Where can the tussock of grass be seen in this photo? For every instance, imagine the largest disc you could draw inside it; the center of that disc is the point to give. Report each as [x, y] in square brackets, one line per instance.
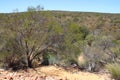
[114, 69]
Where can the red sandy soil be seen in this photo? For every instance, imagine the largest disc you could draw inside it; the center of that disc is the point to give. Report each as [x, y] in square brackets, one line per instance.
[51, 73]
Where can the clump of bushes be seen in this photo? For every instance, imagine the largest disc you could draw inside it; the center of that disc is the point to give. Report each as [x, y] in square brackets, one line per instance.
[114, 70]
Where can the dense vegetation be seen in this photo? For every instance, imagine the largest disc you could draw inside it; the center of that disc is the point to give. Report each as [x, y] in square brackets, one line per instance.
[35, 38]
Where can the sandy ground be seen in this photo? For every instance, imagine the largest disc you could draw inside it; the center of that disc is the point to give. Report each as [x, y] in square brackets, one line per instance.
[51, 73]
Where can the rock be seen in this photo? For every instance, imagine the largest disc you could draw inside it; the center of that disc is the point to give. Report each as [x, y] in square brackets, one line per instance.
[49, 78]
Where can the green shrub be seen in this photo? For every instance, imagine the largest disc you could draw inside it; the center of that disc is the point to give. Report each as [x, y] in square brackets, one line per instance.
[114, 70]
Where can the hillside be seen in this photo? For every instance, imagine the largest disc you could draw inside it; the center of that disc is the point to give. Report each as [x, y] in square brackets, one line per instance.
[106, 22]
[84, 40]
[88, 19]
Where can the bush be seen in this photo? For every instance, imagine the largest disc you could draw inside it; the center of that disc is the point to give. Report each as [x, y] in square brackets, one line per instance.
[14, 62]
[114, 69]
[95, 59]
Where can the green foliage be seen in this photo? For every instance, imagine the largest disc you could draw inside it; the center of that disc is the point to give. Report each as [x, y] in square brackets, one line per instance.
[56, 28]
[94, 57]
[116, 51]
[67, 34]
[97, 51]
[90, 39]
[26, 36]
[32, 8]
[114, 69]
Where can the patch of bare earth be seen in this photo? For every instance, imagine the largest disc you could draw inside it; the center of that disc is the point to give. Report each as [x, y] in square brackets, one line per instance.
[51, 73]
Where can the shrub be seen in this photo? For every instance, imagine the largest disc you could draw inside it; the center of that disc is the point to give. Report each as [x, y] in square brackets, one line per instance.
[95, 58]
[11, 62]
[114, 69]
[14, 62]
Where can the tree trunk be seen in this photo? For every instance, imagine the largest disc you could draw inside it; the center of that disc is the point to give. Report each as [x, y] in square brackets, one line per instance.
[29, 63]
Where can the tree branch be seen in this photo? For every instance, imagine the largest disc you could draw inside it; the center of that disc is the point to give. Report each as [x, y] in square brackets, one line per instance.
[39, 52]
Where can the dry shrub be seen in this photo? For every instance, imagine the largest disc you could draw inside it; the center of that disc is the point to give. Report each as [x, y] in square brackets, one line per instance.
[14, 62]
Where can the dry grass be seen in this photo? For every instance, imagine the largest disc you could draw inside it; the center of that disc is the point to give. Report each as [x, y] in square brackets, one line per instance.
[74, 75]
